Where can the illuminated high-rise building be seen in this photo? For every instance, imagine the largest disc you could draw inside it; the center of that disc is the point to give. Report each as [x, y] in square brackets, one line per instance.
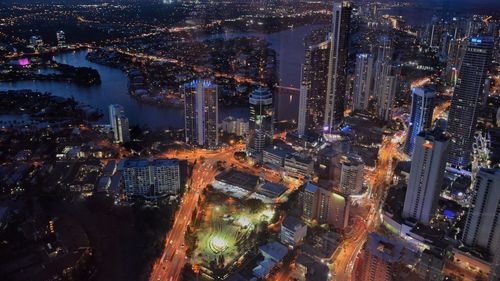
[380, 257]
[337, 68]
[201, 113]
[119, 123]
[426, 176]
[309, 201]
[325, 206]
[422, 107]
[482, 227]
[385, 87]
[383, 49]
[467, 99]
[61, 39]
[363, 81]
[146, 178]
[351, 175]
[36, 42]
[456, 50]
[313, 87]
[260, 127]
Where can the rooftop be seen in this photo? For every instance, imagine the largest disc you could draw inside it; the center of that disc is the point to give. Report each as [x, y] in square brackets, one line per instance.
[384, 248]
[141, 163]
[237, 178]
[275, 250]
[299, 158]
[293, 223]
[136, 163]
[311, 187]
[272, 190]
[165, 162]
[316, 271]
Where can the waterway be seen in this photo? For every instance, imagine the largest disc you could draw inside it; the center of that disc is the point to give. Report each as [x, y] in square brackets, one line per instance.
[289, 44]
[113, 89]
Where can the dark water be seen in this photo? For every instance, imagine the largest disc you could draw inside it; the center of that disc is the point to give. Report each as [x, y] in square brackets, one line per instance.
[288, 44]
[112, 90]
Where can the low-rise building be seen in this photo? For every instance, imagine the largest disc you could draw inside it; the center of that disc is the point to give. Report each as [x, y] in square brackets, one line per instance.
[236, 126]
[269, 192]
[299, 166]
[273, 156]
[273, 255]
[293, 231]
[235, 183]
[309, 269]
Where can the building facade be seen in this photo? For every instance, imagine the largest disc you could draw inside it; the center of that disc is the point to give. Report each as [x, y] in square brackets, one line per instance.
[61, 39]
[467, 98]
[325, 206]
[298, 166]
[363, 81]
[351, 174]
[482, 227]
[380, 256]
[309, 201]
[201, 113]
[119, 123]
[313, 87]
[422, 108]
[426, 176]
[337, 67]
[385, 88]
[151, 179]
[236, 126]
[260, 129]
[293, 231]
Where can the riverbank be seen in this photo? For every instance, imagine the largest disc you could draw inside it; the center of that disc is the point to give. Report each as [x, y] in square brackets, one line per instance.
[34, 107]
[112, 90]
[28, 69]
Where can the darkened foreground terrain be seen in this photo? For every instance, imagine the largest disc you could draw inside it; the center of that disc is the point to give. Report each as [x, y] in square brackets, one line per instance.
[107, 242]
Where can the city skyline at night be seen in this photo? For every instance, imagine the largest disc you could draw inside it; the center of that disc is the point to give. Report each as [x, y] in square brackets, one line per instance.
[283, 140]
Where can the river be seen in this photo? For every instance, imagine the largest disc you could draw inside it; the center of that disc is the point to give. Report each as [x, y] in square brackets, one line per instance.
[289, 44]
[113, 88]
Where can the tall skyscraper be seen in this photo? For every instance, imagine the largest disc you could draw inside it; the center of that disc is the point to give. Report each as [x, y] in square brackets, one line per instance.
[146, 178]
[260, 129]
[337, 68]
[201, 112]
[383, 50]
[119, 123]
[363, 81]
[482, 227]
[422, 107]
[386, 85]
[351, 175]
[380, 256]
[426, 176]
[61, 39]
[456, 50]
[467, 97]
[313, 87]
